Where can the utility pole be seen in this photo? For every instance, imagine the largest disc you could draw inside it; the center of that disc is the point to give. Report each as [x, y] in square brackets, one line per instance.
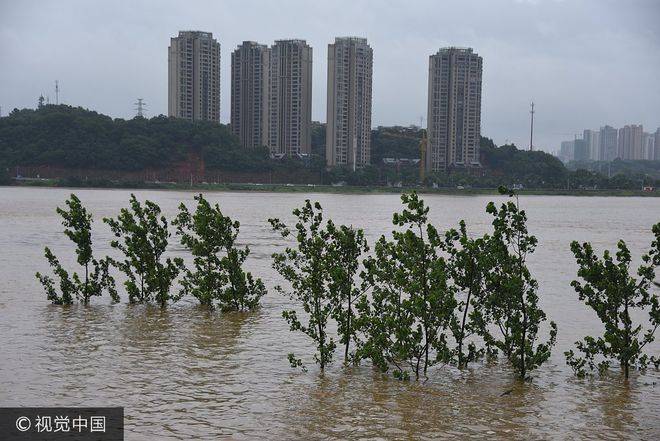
[57, 92]
[140, 106]
[531, 128]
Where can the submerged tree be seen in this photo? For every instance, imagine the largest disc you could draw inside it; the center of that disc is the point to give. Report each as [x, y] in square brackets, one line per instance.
[468, 263]
[345, 247]
[144, 237]
[512, 292]
[218, 276]
[609, 288]
[305, 268]
[412, 301]
[320, 270]
[96, 278]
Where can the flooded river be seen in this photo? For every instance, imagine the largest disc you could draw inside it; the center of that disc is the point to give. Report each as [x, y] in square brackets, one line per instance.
[186, 373]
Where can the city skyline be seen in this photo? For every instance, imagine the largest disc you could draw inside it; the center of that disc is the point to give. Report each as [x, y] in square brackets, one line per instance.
[564, 68]
[629, 142]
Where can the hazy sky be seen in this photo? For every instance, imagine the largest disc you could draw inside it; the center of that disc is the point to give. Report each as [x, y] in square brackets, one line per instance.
[585, 63]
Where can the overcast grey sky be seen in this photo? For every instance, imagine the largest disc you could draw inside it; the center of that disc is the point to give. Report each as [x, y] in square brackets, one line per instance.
[585, 63]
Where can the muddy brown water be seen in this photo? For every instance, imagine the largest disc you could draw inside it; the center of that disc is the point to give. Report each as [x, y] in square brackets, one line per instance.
[186, 373]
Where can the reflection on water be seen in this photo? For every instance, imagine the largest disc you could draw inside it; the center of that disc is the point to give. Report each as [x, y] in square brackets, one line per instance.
[188, 372]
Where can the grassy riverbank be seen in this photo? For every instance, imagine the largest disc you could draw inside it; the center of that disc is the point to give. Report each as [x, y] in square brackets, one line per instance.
[310, 188]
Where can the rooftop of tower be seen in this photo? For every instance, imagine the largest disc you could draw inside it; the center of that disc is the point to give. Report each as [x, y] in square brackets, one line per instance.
[456, 48]
[351, 38]
[292, 40]
[196, 33]
[252, 43]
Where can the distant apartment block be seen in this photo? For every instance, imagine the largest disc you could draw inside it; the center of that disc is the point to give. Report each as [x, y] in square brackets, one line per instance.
[290, 98]
[592, 139]
[656, 155]
[567, 151]
[454, 109]
[348, 128]
[608, 141]
[194, 77]
[250, 64]
[630, 142]
[580, 150]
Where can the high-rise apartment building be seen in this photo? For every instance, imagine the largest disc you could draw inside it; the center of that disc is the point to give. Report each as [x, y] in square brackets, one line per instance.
[648, 146]
[592, 139]
[580, 150]
[348, 128]
[630, 142]
[249, 93]
[608, 143]
[290, 98]
[454, 109]
[567, 151]
[656, 155]
[194, 76]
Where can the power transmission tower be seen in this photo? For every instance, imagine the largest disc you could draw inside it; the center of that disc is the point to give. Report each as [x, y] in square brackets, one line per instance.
[140, 106]
[531, 128]
[57, 92]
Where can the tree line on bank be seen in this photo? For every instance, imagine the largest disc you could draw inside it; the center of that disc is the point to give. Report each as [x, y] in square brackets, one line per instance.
[503, 165]
[70, 137]
[422, 297]
[74, 137]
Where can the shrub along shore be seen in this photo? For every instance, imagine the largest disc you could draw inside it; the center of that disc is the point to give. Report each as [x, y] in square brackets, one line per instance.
[313, 188]
[405, 303]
